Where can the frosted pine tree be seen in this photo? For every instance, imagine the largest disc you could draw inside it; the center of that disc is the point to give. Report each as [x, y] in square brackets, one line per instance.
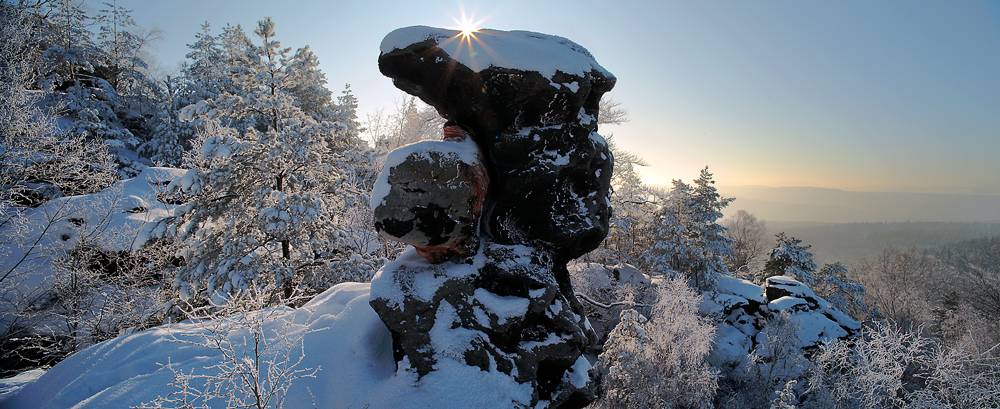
[169, 137]
[789, 257]
[204, 78]
[206, 74]
[687, 238]
[263, 206]
[834, 285]
[706, 210]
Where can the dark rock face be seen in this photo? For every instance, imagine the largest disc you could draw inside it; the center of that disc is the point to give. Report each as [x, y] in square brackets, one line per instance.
[530, 103]
[550, 171]
[435, 197]
[501, 312]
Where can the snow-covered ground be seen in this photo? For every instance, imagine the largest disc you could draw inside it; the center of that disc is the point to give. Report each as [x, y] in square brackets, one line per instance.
[348, 344]
[9, 386]
[110, 218]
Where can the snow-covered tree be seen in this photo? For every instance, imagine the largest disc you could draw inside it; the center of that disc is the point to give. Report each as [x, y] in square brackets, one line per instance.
[37, 161]
[170, 139]
[206, 73]
[308, 83]
[99, 87]
[687, 238]
[410, 121]
[634, 204]
[834, 285]
[902, 285]
[789, 257]
[123, 43]
[264, 203]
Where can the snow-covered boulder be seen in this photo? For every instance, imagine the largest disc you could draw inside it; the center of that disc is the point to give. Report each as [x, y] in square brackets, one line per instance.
[817, 320]
[744, 308]
[627, 274]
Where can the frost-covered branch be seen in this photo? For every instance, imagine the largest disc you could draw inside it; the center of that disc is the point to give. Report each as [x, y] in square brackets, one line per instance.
[608, 306]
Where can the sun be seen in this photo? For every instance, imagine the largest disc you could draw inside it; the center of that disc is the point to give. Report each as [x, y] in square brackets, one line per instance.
[467, 23]
[467, 26]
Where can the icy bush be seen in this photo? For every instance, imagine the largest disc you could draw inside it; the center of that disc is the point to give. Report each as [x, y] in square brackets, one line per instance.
[660, 362]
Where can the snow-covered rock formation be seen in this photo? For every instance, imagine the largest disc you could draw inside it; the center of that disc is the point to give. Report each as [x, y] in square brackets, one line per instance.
[745, 308]
[529, 102]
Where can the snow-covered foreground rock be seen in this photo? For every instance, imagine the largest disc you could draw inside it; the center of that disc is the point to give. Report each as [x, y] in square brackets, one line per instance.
[352, 349]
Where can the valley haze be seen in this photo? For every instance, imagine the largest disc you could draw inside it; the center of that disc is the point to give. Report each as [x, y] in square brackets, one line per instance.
[812, 204]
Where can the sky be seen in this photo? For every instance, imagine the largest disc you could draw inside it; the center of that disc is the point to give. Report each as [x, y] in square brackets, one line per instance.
[893, 95]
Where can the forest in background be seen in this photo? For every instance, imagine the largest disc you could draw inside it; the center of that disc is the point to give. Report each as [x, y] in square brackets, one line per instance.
[259, 178]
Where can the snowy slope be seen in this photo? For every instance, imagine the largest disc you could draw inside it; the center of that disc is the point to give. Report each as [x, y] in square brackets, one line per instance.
[111, 217]
[352, 349]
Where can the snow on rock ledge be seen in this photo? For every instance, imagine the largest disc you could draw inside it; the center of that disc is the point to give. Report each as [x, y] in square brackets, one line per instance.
[522, 50]
[818, 321]
[501, 312]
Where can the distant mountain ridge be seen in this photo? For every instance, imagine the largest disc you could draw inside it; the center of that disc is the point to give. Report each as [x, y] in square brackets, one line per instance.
[849, 242]
[800, 204]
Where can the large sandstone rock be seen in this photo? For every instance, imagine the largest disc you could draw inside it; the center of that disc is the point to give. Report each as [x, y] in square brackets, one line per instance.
[529, 101]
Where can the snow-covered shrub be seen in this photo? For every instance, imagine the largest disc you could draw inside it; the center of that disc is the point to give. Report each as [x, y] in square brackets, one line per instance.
[892, 367]
[96, 294]
[775, 362]
[261, 355]
[660, 362]
[591, 279]
[602, 290]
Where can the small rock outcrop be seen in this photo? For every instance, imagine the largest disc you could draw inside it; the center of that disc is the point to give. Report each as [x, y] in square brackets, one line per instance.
[745, 308]
[817, 320]
[491, 289]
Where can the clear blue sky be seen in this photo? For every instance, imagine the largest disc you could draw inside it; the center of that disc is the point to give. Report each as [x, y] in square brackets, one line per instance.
[886, 95]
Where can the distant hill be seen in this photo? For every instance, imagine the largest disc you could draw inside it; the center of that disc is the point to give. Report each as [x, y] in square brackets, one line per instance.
[801, 204]
[849, 242]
